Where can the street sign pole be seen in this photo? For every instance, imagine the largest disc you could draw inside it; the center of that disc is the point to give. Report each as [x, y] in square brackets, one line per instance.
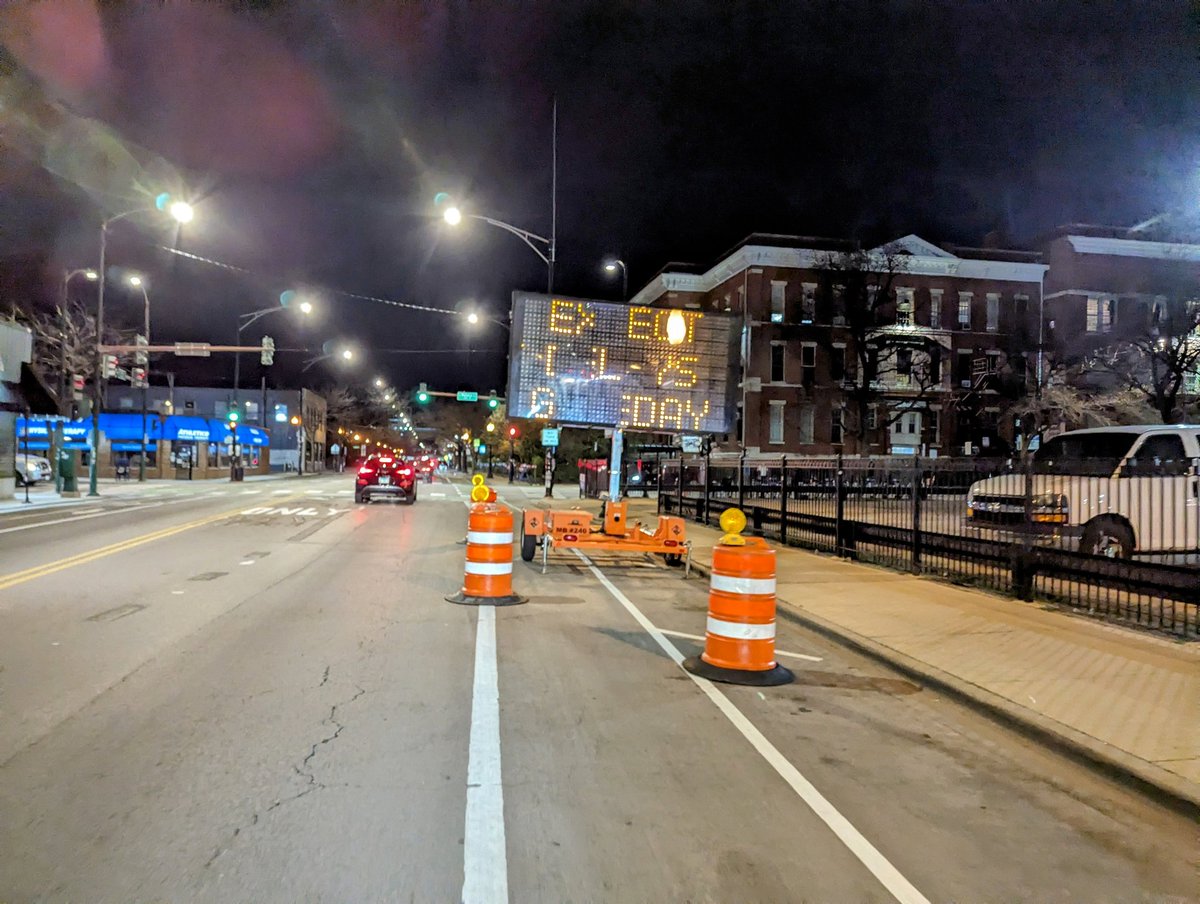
[614, 464]
[550, 444]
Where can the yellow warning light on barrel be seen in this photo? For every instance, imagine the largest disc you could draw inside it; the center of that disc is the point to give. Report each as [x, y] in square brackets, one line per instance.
[480, 493]
[477, 480]
[733, 522]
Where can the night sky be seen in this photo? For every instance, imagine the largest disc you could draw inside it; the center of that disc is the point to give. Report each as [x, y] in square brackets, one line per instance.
[314, 136]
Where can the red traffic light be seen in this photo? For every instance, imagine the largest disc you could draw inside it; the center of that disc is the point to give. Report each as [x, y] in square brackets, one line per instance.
[512, 431]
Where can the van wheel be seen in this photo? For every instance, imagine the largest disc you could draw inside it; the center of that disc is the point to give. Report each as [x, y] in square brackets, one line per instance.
[674, 559]
[1107, 537]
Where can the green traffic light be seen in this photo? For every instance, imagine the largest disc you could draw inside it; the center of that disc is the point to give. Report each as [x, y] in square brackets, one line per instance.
[493, 403]
[422, 397]
[233, 417]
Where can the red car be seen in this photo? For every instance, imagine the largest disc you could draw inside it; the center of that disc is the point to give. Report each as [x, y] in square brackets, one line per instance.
[385, 475]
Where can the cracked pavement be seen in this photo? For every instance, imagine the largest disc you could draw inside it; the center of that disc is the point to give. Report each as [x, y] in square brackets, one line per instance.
[296, 729]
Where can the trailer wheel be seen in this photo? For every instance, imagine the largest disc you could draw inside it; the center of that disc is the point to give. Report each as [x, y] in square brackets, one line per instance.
[529, 544]
[673, 559]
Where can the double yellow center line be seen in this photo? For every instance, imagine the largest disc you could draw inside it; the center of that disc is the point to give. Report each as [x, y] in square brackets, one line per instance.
[41, 571]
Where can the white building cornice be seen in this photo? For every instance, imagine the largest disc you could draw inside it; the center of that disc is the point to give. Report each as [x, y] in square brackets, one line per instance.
[925, 264]
[1164, 251]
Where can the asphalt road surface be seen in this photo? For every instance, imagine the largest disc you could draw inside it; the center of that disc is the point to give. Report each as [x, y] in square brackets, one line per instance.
[262, 696]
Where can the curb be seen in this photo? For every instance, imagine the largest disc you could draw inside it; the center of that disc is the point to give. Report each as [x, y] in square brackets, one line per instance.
[1153, 782]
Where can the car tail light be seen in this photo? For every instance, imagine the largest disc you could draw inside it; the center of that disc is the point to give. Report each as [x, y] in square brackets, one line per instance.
[570, 538]
[670, 542]
[364, 471]
[387, 461]
[404, 472]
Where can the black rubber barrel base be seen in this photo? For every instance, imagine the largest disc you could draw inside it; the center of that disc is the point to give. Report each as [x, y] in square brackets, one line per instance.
[464, 600]
[769, 678]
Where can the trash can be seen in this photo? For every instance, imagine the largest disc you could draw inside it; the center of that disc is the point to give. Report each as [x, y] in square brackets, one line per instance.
[66, 469]
[238, 473]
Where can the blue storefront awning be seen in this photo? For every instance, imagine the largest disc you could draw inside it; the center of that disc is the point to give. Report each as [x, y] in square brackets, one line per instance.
[120, 429]
[180, 428]
[218, 431]
[253, 436]
[129, 426]
[35, 430]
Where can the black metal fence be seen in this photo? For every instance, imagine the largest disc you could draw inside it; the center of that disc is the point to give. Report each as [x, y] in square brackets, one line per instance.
[1126, 547]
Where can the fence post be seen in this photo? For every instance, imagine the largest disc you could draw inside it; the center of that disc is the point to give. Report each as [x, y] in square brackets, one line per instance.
[783, 496]
[742, 481]
[916, 516]
[679, 487]
[1022, 567]
[658, 483]
[707, 485]
[839, 517]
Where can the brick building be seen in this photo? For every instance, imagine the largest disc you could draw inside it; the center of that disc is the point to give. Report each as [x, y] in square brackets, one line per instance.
[950, 317]
[1107, 285]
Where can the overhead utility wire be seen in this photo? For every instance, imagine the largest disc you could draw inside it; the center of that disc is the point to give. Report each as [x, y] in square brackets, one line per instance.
[235, 269]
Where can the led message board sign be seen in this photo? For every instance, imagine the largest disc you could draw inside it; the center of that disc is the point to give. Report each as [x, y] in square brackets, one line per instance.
[576, 361]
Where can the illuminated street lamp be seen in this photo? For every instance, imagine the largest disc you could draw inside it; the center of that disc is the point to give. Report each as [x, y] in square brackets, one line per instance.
[286, 302]
[345, 354]
[181, 212]
[612, 266]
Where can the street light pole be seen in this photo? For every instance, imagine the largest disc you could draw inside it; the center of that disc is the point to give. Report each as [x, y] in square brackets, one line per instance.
[97, 391]
[182, 212]
[145, 376]
[453, 215]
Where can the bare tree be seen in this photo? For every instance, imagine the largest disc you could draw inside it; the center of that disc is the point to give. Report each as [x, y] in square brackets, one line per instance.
[341, 406]
[1158, 355]
[888, 356]
[64, 342]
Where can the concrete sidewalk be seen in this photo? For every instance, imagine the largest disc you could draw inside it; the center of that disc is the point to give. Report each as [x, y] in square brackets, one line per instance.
[1121, 699]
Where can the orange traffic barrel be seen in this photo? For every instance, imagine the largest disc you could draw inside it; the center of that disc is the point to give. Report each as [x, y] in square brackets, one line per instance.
[739, 643]
[487, 579]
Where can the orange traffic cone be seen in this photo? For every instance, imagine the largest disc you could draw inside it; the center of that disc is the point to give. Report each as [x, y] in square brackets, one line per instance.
[739, 644]
[488, 571]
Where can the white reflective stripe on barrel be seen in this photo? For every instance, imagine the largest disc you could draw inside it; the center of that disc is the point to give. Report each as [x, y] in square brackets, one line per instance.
[490, 537]
[740, 631]
[756, 586]
[488, 567]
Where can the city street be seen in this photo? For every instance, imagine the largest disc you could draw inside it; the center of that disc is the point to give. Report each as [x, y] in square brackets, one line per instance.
[258, 693]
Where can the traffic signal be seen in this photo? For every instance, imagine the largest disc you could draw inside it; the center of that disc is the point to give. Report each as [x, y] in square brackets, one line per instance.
[491, 428]
[139, 377]
[108, 365]
[512, 432]
[233, 417]
[141, 356]
[493, 402]
[268, 350]
[422, 393]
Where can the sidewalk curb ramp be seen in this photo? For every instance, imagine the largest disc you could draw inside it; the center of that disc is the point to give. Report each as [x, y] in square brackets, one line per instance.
[1153, 782]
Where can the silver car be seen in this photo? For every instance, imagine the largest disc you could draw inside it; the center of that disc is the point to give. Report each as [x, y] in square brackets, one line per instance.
[32, 469]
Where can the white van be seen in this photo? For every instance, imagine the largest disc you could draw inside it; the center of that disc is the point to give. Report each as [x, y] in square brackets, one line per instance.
[1116, 491]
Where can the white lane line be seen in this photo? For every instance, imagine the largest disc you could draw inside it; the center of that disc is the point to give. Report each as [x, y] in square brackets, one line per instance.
[881, 868]
[485, 858]
[74, 518]
[777, 652]
[280, 492]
